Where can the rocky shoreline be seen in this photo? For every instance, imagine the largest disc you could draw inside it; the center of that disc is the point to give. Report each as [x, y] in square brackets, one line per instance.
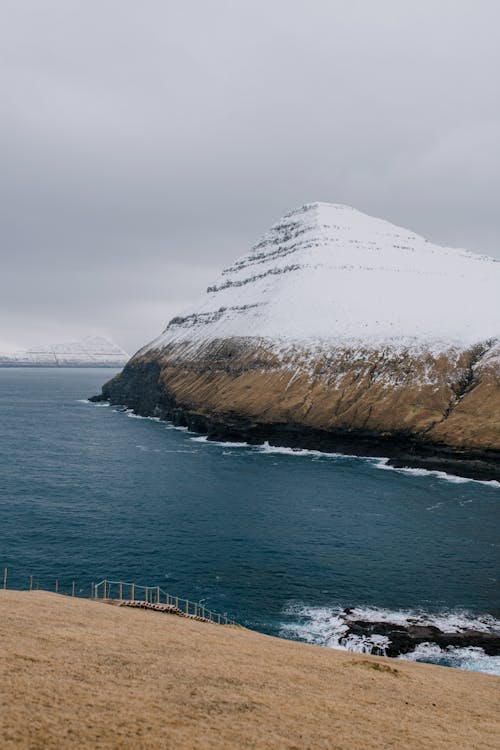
[140, 387]
[405, 638]
[338, 332]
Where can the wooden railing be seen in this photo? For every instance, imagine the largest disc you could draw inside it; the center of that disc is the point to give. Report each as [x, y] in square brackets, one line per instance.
[154, 597]
[134, 595]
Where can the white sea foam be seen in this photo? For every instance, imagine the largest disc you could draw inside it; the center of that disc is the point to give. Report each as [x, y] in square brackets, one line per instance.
[172, 426]
[328, 626]
[224, 444]
[383, 463]
[457, 621]
[131, 413]
[473, 659]
[299, 452]
[92, 403]
[266, 448]
[378, 463]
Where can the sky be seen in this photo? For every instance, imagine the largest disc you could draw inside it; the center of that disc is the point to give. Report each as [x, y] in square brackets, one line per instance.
[146, 145]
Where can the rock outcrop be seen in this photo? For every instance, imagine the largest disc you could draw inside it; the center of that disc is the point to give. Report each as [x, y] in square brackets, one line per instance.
[340, 332]
[391, 639]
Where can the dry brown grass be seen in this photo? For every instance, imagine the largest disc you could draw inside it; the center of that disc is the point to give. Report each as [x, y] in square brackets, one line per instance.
[248, 380]
[81, 674]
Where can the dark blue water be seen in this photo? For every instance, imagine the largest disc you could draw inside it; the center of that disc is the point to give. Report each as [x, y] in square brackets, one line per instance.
[273, 538]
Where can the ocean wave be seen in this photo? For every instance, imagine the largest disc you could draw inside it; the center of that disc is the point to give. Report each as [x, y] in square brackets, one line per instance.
[378, 463]
[92, 403]
[383, 463]
[329, 626]
[471, 658]
[131, 413]
[299, 452]
[324, 626]
[180, 428]
[224, 444]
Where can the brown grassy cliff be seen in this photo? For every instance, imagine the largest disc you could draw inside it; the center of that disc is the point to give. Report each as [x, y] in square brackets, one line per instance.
[80, 674]
[432, 408]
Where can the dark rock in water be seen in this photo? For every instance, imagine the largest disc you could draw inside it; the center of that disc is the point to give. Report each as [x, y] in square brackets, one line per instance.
[404, 639]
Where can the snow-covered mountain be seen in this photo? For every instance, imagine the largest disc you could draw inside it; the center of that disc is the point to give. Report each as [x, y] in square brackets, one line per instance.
[341, 332]
[92, 351]
[330, 273]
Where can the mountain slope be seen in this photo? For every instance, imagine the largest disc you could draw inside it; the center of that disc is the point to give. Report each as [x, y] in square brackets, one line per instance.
[331, 272]
[338, 331]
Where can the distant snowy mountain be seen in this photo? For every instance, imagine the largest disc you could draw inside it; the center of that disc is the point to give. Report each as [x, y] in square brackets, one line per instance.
[92, 351]
[337, 331]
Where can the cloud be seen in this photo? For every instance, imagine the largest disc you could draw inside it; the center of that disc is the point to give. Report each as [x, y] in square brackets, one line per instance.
[144, 147]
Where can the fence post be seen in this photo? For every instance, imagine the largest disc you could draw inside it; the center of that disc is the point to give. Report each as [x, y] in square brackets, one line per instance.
[92, 590]
[177, 602]
[187, 607]
[146, 594]
[132, 591]
[218, 619]
[225, 619]
[31, 583]
[57, 585]
[203, 611]
[5, 578]
[195, 605]
[157, 594]
[73, 589]
[104, 592]
[120, 591]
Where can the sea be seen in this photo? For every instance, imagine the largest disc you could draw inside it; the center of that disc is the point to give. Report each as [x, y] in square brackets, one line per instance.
[282, 541]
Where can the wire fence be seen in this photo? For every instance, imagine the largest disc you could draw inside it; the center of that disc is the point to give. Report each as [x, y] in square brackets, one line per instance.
[129, 594]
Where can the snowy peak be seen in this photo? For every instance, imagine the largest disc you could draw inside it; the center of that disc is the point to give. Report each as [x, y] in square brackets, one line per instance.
[91, 351]
[327, 272]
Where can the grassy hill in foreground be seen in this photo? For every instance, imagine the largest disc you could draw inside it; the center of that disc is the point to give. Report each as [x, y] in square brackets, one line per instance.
[79, 674]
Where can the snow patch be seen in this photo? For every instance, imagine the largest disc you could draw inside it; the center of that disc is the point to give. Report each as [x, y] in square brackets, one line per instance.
[326, 274]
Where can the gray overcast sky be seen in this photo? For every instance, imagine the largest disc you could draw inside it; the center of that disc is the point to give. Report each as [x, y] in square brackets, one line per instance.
[146, 144]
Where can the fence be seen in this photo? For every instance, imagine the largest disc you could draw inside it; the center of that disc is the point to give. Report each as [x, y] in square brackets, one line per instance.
[153, 597]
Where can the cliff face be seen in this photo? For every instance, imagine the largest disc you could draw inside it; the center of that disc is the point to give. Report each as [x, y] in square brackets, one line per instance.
[339, 332]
